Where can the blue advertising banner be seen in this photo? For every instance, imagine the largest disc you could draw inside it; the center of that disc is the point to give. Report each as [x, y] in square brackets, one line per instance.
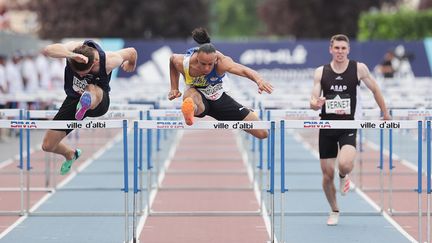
[284, 60]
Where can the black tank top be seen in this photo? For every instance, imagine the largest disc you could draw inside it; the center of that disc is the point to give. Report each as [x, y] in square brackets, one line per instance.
[340, 91]
[74, 83]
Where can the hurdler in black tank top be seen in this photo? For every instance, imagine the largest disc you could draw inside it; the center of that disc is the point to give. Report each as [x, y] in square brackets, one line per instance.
[74, 84]
[342, 84]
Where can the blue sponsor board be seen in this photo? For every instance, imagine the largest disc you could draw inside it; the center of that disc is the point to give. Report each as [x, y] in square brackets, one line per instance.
[287, 59]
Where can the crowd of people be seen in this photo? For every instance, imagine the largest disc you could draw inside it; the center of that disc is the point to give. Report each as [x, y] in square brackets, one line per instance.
[26, 75]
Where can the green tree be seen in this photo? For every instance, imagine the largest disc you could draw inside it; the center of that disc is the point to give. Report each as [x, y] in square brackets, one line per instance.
[406, 25]
[235, 18]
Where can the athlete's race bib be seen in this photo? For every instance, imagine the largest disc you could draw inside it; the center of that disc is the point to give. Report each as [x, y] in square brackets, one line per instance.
[79, 85]
[212, 92]
[338, 106]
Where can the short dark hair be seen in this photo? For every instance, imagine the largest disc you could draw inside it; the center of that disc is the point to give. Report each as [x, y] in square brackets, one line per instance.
[339, 37]
[207, 48]
[86, 51]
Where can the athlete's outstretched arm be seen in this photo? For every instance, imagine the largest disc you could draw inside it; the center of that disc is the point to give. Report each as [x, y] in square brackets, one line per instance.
[226, 64]
[370, 82]
[316, 102]
[175, 61]
[64, 50]
[126, 58]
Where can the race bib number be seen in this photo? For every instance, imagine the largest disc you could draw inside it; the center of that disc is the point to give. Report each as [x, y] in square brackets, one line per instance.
[338, 106]
[212, 92]
[79, 85]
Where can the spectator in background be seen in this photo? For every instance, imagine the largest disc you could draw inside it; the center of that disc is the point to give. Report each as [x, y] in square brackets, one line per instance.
[3, 91]
[44, 77]
[56, 73]
[4, 18]
[42, 66]
[3, 81]
[31, 79]
[14, 79]
[386, 67]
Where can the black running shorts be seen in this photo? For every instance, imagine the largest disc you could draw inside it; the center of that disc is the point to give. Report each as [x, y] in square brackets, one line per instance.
[68, 109]
[224, 109]
[330, 140]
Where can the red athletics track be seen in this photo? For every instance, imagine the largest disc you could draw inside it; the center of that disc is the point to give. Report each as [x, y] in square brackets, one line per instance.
[90, 141]
[206, 174]
[403, 178]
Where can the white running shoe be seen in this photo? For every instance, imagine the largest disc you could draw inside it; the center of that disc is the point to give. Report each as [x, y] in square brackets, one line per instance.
[344, 185]
[333, 219]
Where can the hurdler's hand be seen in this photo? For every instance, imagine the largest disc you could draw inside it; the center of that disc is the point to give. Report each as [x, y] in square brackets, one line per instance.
[317, 103]
[174, 93]
[264, 86]
[78, 57]
[386, 116]
[128, 66]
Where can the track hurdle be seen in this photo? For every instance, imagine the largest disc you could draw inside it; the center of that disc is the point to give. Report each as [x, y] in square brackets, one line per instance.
[359, 124]
[151, 124]
[131, 114]
[87, 124]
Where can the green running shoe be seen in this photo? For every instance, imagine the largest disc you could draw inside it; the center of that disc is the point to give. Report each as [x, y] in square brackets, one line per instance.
[66, 166]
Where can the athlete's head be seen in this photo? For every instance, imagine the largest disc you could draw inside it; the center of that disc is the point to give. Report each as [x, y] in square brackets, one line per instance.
[339, 47]
[206, 53]
[83, 68]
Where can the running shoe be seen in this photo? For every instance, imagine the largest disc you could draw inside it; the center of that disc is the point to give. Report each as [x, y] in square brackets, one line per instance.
[344, 185]
[333, 219]
[66, 166]
[188, 110]
[83, 105]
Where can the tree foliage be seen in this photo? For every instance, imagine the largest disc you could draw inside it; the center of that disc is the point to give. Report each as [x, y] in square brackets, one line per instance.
[235, 18]
[406, 25]
[125, 18]
[313, 18]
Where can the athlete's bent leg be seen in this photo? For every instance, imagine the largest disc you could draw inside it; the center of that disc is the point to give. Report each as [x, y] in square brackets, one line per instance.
[52, 143]
[192, 105]
[346, 158]
[258, 133]
[96, 93]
